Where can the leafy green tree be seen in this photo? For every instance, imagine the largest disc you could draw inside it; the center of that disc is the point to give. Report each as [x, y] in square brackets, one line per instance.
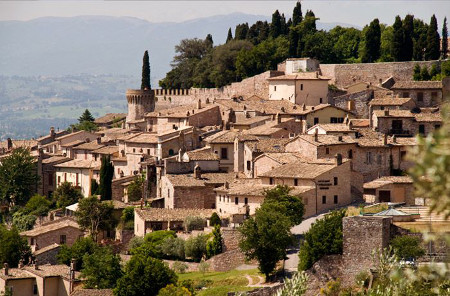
[397, 45]
[106, 176]
[407, 247]
[38, 205]
[275, 25]
[84, 126]
[144, 276]
[408, 31]
[18, 177]
[152, 243]
[265, 237]
[444, 39]
[94, 187]
[215, 220]
[23, 221]
[95, 216]
[311, 27]
[13, 247]
[432, 51]
[292, 206]
[83, 246]
[241, 31]
[431, 174]
[66, 195]
[101, 269]
[297, 16]
[433, 71]
[445, 69]
[195, 247]
[127, 218]
[229, 36]
[416, 71]
[419, 39]
[372, 43]
[145, 84]
[387, 37]
[194, 223]
[345, 43]
[319, 45]
[173, 248]
[214, 246]
[323, 238]
[136, 188]
[86, 116]
[293, 42]
[424, 74]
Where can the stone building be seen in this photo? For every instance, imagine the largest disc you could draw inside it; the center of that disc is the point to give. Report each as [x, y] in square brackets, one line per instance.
[270, 160]
[336, 129]
[79, 173]
[110, 120]
[140, 102]
[307, 88]
[84, 151]
[390, 189]
[48, 174]
[61, 231]
[331, 179]
[423, 93]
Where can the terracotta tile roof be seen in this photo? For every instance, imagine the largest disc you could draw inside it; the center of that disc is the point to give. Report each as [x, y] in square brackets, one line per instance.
[188, 180]
[417, 85]
[251, 120]
[181, 111]
[300, 170]
[53, 159]
[19, 144]
[380, 182]
[57, 134]
[92, 292]
[73, 143]
[428, 115]
[358, 123]
[78, 163]
[125, 137]
[109, 117]
[268, 145]
[222, 137]
[389, 101]
[332, 127]
[300, 76]
[202, 154]
[163, 214]
[47, 248]
[284, 157]
[325, 140]
[109, 150]
[144, 138]
[89, 146]
[393, 113]
[52, 226]
[48, 270]
[370, 138]
[253, 187]
[15, 273]
[70, 135]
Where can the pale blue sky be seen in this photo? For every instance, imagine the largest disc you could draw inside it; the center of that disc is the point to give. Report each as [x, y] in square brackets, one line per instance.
[353, 12]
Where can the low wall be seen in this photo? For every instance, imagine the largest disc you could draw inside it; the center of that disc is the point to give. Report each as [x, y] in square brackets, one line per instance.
[226, 261]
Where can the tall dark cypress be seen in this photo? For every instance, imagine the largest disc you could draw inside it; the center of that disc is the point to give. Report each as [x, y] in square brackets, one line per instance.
[408, 31]
[106, 176]
[284, 28]
[275, 26]
[145, 84]
[432, 51]
[444, 39]
[241, 31]
[297, 16]
[312, 26]
[372, 42]
[293, 43]
[397, 40]
[229, 36]
[209, 41]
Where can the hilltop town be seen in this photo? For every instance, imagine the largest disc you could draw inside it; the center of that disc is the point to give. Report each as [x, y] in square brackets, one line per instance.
[179, 176]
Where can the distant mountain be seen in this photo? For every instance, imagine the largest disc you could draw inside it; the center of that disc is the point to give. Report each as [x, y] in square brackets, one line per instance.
[53, 46]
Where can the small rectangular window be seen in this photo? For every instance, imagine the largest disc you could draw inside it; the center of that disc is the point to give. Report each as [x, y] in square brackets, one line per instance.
[405, 94]
[295, 182]
[420, 96]
[62, 239]
[246, 200]
[271, 181]
[422, 129]
[248, 165]
[224, 153]
[350, 154]
[274, 88]
[327, 150]
[35, 289]
[437, 126]
[50, 179]
[236, 200]
[335, 180]
[316, 120]
[324, 199]
[301, 86]
[335, 199]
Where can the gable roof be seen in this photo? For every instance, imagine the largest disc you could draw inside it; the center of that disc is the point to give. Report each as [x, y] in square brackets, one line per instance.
[389, 101]
[325, 140]
[52, 226]
[78, 163]
[109, 117]
[300, 170]
[417, 85]
[179, 214]
[202, 154]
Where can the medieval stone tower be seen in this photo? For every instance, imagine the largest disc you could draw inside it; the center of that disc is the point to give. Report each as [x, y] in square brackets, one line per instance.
[140, 102]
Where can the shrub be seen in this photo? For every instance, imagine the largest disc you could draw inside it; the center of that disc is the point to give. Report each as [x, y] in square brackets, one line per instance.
[214, 246]
[194, 223]
[179, 267]
[195, 247]
[22, 221]
[172, 290]
[83, 246]
[127, 218]
[135, 189]
[173, 247]
[215, 220]
[38, 205]
[203, 267]
[152, 243]
[135, 242]
[407, 247]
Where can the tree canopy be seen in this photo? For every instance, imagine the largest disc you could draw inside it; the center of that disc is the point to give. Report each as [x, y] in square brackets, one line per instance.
[101, 269]
[66, 194]
[86, 116]
[13, 247]
[106, 176]
[145, 83]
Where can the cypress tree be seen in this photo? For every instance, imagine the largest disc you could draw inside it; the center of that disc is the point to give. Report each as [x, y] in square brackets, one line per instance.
[432, 51]
[420, 39]
[424, 75]
[408, 31]
[275, 26]
[230, 36]
[372, 42]
[397, 41]
[241, 32]
[444, 39]
[416, 75]
[312, 26]
[145, 72]
[106, 176]
[433, 71]
[297, 16]
[293, 42]
[209, 41]
[284, 28]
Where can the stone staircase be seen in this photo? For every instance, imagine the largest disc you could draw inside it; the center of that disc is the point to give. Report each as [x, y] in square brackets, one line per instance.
[424, 212]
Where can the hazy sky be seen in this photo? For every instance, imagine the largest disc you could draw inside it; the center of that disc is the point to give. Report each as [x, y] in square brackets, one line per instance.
[352, 12]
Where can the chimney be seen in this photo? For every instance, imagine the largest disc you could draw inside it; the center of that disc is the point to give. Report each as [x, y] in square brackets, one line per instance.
[303, 107]
[52, 132]
[350, 105]
[6, 268]
[199, 104]
[227, 185]
[36, 264]
[394, 139]
[278, 117]
[385, 140]
[338, 159]
[386, 112]
[9, 143]
[21, 265]
[99, 140]
[197, 172]
[316, 135]
[73, 265]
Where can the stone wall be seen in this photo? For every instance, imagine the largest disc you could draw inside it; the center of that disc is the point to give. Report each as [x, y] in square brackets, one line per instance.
[48, 257]
[343, 75]
[117, 188]
[231, 238]
[226, 261]
[359, 101]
